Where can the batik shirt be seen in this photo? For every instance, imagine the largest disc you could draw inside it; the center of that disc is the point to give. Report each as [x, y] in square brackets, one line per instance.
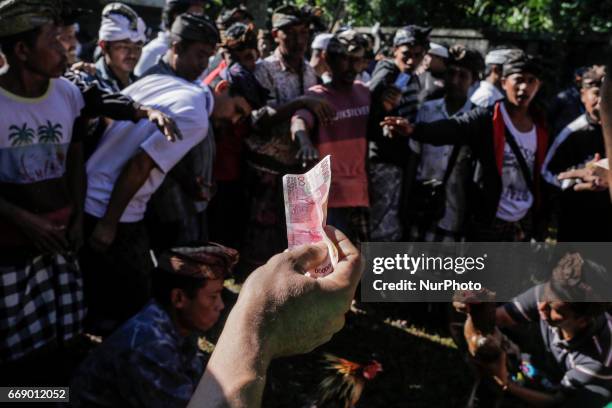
[275, 150]
[145, 363]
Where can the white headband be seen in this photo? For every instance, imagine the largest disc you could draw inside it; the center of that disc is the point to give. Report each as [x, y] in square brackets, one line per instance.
[116, 27]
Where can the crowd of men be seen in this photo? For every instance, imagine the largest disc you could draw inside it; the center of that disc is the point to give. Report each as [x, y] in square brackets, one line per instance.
[118, 170]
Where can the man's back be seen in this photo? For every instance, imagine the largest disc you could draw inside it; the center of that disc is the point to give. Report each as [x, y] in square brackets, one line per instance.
[189, 105]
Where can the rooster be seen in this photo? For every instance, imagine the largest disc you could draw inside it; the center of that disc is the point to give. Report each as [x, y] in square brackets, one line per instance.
[485, 342]
[343, 386]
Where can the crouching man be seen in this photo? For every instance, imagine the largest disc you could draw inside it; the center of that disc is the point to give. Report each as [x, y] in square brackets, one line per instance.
[576, 336]
[154, 360]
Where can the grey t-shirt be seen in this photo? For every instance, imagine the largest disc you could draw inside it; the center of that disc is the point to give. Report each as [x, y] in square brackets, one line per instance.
[585, 360]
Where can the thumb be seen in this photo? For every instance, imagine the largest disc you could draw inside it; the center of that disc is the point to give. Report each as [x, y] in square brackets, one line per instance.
[349, 268]
[307, 257]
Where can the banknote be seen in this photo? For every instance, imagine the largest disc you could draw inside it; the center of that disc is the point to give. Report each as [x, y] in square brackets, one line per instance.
[306, 197]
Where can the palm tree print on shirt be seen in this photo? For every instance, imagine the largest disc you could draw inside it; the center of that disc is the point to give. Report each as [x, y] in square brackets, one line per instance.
[20, 136]
[50, 133]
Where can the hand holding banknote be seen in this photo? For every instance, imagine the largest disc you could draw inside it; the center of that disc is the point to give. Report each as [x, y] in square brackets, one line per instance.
[306, 198]
[279, 312]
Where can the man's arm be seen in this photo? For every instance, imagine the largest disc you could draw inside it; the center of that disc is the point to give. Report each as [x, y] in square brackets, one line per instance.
[117, 106]
[300, 131]
[131, 179]
[318, 107]
[465, 129]
[535, 398]
[460, 129]
[275, 317]
[498, 370]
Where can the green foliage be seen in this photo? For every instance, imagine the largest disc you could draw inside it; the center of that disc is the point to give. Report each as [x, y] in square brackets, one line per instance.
[557, 17]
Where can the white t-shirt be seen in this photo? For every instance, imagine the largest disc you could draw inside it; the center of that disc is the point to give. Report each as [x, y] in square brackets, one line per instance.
[35, 132]
[188, 104]
[516, 198]
[486, 95]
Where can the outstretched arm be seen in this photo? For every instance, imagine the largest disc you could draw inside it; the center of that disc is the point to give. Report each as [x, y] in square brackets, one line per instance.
[280, 312]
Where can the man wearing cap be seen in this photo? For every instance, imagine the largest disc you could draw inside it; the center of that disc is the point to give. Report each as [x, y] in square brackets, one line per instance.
[344, 138]
[489, 91]
[176, 215]
[510, 141]
[41, 187]
[121, 36]
[228, 210]
[388, 156]
[158, 47]
[444, 167]
[239, 45]
[433, 78]
[132, 161]
[226, 19]
[154, 359]
[271, 153]
[582, 217]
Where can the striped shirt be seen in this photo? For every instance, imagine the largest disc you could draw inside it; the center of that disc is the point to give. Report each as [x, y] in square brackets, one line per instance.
[585, 360]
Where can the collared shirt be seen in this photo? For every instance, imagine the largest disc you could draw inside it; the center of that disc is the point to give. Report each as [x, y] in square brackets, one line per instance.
[276, 150]
[486, 95]
[584, 362]
[106, 77]
[434, 161]
[144, 363]
[152, 51]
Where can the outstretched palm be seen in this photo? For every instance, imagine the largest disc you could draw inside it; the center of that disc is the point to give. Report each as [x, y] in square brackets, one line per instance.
[20, 136]
[50, 133]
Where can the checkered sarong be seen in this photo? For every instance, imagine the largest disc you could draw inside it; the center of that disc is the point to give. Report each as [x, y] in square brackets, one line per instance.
[41, 301]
